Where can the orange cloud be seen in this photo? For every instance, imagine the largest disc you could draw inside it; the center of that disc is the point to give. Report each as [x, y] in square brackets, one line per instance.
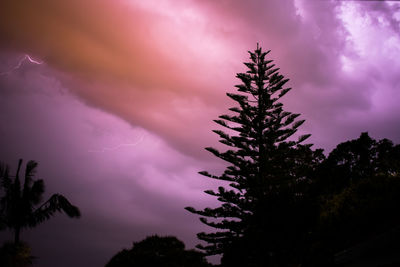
[140, 62]
[86, 37]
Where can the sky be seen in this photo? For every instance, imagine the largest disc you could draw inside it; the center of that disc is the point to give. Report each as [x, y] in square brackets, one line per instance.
[115, 100]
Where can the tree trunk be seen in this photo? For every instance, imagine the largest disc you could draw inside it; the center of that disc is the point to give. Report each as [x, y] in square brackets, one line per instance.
[17, 231]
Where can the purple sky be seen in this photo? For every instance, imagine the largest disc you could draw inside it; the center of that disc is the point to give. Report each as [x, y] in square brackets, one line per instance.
[119, 110]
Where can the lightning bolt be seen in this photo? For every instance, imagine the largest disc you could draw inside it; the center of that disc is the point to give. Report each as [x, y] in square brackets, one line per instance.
[105, 149]
[19, 64]
[32, 60]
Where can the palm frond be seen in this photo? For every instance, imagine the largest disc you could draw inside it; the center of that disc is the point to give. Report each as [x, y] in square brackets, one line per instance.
[16, 186]
[5, 180]
[56, 203]
[30, 171]
[17, 201]
[36, 192]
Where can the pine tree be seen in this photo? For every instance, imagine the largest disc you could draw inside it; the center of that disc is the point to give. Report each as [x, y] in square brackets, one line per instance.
[266, 167]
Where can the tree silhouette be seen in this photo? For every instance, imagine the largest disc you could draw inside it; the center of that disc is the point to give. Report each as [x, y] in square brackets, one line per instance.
[155, 251]
[19, 203]
[358, 188]
[354, 160]
[267, 173]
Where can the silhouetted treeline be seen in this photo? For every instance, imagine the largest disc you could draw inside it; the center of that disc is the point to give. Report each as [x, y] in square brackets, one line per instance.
[286, 204]
[349, 198]
[155, 251]
[357, 189]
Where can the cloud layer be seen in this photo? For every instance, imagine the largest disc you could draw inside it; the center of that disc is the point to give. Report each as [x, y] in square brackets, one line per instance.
[122, 106]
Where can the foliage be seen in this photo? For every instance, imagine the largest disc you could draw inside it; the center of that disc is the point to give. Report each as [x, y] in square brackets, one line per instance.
[155, 251]
[354, 160]
[268, 174]
[358, 188]
[19, 203]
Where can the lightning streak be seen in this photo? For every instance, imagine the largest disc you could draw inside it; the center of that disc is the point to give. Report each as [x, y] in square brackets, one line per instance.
[32, 60]
[25, 58]
[105, 149]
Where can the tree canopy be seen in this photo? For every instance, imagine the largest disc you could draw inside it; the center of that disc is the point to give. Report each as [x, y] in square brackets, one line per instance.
[155, 251]
[357, 188]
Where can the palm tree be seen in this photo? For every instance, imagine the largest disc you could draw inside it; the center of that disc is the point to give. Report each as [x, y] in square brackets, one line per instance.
[19, 203]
